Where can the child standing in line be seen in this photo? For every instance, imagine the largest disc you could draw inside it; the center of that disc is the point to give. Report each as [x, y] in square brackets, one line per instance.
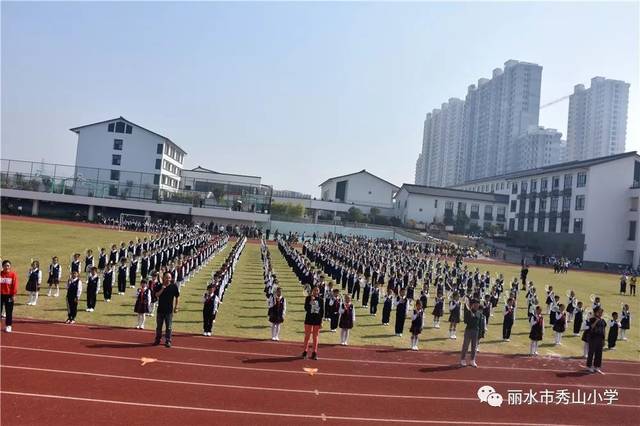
[614, 326]
[93, 285]
[417, 323]
[122, 275]
[107, 282]
[102, 260]
[438, 309]
[550, 298]
[143, 301]
[625, 323]
[401, 312]
[55, 273]
[76, 263]
[578, 318]
[347, 319]
[277, 312]
[387, 306]
[537, 330]
[507, 322]
[366, 292]
[454, 315]
[596, 340]
[133, 271]
[33, 282]
[375, 299]
[88, 261]
[334, 310]
[560, 324]
[74, 290]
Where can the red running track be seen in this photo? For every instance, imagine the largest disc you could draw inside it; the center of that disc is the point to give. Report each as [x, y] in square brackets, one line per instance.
[72, 374]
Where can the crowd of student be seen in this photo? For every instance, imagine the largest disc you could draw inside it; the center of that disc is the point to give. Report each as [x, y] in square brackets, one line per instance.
[411, 276]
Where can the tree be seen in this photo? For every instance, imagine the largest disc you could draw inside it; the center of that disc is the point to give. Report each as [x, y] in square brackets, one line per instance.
[278, 209]
[295, 210]
[354, 214]
[462, 220]
[374, 213]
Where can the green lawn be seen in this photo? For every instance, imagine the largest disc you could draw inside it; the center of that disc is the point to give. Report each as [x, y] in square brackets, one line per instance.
[244, 310]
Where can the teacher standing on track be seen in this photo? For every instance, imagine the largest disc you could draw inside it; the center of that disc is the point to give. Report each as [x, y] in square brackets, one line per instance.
[314, 307]
[168, 295]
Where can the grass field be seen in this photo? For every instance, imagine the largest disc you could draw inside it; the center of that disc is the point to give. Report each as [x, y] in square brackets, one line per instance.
[243, 312]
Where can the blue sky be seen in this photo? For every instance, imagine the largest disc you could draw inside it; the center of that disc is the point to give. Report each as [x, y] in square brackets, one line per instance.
[293, 92]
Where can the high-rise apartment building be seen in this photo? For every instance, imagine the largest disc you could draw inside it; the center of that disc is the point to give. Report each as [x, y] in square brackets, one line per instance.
[540, 147]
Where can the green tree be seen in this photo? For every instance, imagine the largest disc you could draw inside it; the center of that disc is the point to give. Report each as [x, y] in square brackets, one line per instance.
[295, 210]
[461, 223]
[354, 214]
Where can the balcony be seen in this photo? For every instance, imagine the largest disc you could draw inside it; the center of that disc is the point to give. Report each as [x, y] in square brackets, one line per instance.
[488, 217]
[566, 191]
[474, 215]
[544, 194]
[501, 218]
[555, 192]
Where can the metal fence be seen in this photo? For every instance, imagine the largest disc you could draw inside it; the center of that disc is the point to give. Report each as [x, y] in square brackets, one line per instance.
[137, 186]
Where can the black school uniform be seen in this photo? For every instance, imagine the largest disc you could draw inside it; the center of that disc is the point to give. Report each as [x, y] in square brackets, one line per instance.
[346, 318]
[144, 267]
[88, 263]
[366, 292]
[537, 325]
[74, 289]
[107, 284]
[507, 322]
[375, 299]
[596, 342]
[54, 274]
[32, 281]
[209, 311]
[454, 316]
[92, 290]
[613, 334]
[386, 309]
[333, 311]
[75, 266]
[143, 300]
[560, 323]
[401, 314]
[625, 322]
[113, 256]
[438, 308]
[276, 311]
[102, 261]
[416, 322]
[577, 320]
[122, 278]
[133, 271]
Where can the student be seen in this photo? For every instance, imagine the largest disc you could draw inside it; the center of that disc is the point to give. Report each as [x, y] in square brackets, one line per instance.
[347, 319]
[55, 273]
[401, 312]
[122, 276]
[334, 310]
[632, 285]
[454, 315]
[550, 299]
[107, 282]
[102, 260]
[277, 312]
[74, 290]
[585, 337]
[314, 309]
[133, 271]
[555, 308]
[387, 306]
[8, 291]
[93, 285]
[623, 284]
[33, 282]
[76, 263]
[143, 302]
[578, 319]
[88, 261]
[113, 254]
[438, 310]
[571, 306]
[625, 322]
[366, 292]
[507, 322]
[375, 299]
[614, 326]
[560, 324]
[355, 294]
[417, 323]
[597, 327]
[537, 330]
[474, 320]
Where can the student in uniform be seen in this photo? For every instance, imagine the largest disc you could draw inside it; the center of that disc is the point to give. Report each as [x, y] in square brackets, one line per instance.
[33, 282]
[614, 326]
[578, 319]
[122, 276]
[113, 254]
[438, 310]
[333, 310]
[537, 330]
[55, 273]
[107, 282]
[355, 294]
[88, 261]
[366, 292]
[401, 312]
[143, 302]
[102, 260]
[507, 322]
[210, 303]
[560, 324]
[375, 299]
[387, 306]
[550, 299]
[93, 285]
[597, 328]
[417, 323]
[76, 263]
[625, 322]
[585, 337]
[632, 285]
[277, 312]
[314, 309]
[571, 306]
[347, 319]
[133, 271]
[74, 290]
[454, 314]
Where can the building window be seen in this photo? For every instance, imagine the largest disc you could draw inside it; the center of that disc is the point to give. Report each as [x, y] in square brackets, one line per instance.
[502, 210]
[521, 224]
[110, 127]
[534, 186]
[513, 207]
[158, 163]
[632, 230]
[435, 204]
[577, 225]
[119, 127]
[554, 204]
[532, 205]
[543, 184]
[541, 221]
[128, 131]
[512, 224]
[543, 205]
[113, 190]
[564, 225]
[523, 187]
[159, 148]
[116, 159]
[475, 211]
[115, 174]
[530, 223]
[566, 203]
[156, 179]
[555, 182]
[462, 207]
[568, 181]
[581, 181]
[420, 209]
[552, 224]
[579, 202]
[405, 203]
[448, 205]
[514, 188]
[117, 144]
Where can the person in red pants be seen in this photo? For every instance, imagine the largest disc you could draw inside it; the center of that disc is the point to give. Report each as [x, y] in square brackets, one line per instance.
[8, 291]
[314, 308]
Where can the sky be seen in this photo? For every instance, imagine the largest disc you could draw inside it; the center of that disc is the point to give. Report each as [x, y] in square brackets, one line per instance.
[293, 92]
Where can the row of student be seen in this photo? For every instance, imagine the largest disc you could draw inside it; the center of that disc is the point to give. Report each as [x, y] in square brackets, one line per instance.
[276, 303]
[213, 297]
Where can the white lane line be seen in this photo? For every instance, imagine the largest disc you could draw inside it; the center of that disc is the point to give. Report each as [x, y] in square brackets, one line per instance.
[267, 414]
[358, 376]
[359, 361]
[216, 385]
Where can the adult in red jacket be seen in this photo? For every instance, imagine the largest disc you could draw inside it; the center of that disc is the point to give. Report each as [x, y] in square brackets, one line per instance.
[8, 291]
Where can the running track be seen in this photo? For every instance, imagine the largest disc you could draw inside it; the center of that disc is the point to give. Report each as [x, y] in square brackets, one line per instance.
[59, 374]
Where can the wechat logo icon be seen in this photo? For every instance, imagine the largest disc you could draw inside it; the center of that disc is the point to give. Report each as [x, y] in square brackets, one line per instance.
[489, 395]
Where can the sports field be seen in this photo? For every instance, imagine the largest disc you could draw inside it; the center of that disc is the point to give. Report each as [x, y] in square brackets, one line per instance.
[243, 313]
